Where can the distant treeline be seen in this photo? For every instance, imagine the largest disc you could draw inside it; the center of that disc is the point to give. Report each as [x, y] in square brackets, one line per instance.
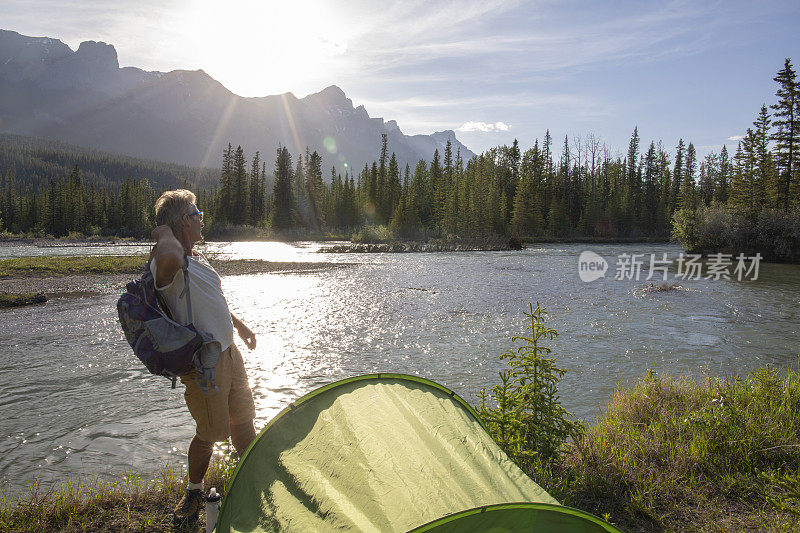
[502, 192]
[34, 161]
[583, 192]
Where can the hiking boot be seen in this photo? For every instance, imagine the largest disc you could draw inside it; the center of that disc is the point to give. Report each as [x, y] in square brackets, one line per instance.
[188, 507]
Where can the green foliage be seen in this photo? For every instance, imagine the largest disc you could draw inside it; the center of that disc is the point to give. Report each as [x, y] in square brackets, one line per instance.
[774, 233]
[676, 455]
[372, 234]
[527, 419]
[787, 500]
[684, 228]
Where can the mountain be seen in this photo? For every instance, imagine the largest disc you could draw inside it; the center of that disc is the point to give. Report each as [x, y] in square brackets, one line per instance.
[186, 117]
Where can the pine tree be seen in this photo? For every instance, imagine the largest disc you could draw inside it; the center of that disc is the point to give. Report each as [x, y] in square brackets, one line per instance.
[393, 187]
[421, 191]
[526, 218]
[439, 188]
[633, 183]
[764, 166]
[787, 136]
[225, 201]
[301, 191]
[746, 191]
[256, 211]
[316, 191]
[688, 198]
[240, 206]
[381, 193]
[709, 170]
[664, 215]
[284, 215]
[677, 177]
[9, 201]
[721, 191]
[651, 188]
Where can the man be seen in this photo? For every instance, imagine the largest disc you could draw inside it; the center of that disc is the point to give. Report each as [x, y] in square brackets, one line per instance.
[228, 411]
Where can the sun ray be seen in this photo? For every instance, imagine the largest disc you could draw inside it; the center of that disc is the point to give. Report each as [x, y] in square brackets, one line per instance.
[222, 123]
[292, 127]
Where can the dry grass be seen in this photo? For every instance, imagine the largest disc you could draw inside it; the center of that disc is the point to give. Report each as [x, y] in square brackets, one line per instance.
[69, 265]
[128, 503]
[55, 266]
[672, 455]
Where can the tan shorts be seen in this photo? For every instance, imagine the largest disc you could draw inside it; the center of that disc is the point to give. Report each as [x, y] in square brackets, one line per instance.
[231, 403]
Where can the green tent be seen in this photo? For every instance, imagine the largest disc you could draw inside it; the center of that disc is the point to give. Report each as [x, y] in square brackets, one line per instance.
[386, 452]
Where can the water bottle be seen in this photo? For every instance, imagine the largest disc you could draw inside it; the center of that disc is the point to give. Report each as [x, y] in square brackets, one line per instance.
[212, 509]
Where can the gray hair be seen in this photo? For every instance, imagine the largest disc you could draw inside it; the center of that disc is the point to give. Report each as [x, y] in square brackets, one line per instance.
[170, 208]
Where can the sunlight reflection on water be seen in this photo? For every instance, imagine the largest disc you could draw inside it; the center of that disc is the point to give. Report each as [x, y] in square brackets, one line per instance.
[272, 251]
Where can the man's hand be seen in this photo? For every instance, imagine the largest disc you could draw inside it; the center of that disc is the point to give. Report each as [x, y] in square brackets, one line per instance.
[245, 333]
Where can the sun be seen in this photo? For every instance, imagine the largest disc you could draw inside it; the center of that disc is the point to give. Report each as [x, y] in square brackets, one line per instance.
[257, 48]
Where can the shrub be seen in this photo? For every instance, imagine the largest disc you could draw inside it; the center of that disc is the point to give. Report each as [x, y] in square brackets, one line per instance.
[685, 228]
[373, 234]
[773, 233]
[528, 421]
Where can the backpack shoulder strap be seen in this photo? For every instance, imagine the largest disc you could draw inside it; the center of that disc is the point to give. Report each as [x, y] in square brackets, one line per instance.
[186, 288]
[150, 257]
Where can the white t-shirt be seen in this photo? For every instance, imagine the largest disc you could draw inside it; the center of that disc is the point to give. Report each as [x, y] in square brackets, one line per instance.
[210, 312]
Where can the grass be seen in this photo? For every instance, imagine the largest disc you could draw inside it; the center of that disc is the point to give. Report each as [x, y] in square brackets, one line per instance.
[126, 503]
[674, 455]
[54, 266]
[8, 299]
[45, 266]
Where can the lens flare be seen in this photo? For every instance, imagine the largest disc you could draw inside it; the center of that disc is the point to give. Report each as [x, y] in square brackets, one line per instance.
[330, 144]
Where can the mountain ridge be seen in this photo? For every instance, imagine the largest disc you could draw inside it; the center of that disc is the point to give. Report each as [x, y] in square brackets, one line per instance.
[183, 116]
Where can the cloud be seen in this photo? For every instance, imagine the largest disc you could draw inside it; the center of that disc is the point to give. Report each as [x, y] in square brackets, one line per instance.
[735, 138]
[484, 126]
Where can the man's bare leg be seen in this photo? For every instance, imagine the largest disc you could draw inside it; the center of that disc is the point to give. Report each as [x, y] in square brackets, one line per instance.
[242, 435]
[199, 458]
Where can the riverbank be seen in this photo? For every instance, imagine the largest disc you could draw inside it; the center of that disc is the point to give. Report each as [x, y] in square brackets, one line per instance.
[667, 455]
[358, 243]
[469, 245]
[78, 276]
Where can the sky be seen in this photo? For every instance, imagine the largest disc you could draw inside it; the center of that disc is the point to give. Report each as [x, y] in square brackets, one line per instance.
[493, 71]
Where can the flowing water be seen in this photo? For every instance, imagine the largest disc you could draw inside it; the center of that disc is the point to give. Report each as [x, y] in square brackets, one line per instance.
[75, 400]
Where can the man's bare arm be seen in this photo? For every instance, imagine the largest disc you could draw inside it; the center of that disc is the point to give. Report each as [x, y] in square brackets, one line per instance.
[168, 255]
[245, 333]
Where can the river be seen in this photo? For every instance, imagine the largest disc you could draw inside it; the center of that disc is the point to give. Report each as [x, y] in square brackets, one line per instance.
[75, 400]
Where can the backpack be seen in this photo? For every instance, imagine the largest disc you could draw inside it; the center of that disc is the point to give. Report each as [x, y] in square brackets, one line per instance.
[166, 347]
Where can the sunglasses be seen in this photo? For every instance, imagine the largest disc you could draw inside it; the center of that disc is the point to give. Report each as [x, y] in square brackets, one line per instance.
[196, 213]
